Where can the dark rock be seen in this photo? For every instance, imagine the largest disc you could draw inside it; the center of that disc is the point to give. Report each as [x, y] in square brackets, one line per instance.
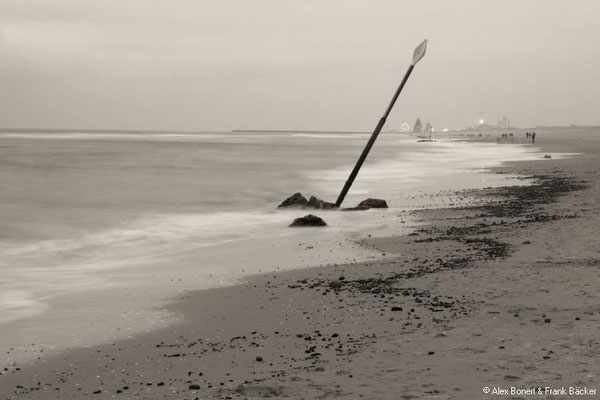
[295, 200]
[396, 308]
[308, 220]
[547, 156]
[194, 386]
[259, 358]
[373, 203]
[314, 202]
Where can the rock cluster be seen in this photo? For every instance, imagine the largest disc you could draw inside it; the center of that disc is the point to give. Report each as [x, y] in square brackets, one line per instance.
[299, 201]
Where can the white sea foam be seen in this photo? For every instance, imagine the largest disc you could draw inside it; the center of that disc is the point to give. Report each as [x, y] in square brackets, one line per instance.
[430, 166]
[18, 303]
[162, 231]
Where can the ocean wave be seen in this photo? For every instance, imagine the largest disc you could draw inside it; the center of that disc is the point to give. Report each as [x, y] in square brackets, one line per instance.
[144, 237]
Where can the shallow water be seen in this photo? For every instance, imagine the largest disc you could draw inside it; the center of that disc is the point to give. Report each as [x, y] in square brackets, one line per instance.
[86, 212]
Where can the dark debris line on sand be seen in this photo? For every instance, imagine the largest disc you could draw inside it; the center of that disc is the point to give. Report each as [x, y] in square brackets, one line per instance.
[475, 240]
[515, 204]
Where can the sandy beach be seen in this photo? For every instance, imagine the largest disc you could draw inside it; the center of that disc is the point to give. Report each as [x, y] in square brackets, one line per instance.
[501, 294]
[299, 200]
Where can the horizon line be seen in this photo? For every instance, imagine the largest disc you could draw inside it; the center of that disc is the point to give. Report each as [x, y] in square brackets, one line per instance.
[238, 130]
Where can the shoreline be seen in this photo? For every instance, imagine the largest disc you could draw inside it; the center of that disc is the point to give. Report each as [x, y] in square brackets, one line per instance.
[314, 330]
[113, 297]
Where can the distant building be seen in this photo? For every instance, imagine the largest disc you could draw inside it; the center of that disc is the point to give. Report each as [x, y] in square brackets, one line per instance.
[505, 123]
[428, 128]
[418, 128]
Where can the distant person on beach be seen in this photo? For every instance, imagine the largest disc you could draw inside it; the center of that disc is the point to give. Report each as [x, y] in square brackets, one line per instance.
[533, 137]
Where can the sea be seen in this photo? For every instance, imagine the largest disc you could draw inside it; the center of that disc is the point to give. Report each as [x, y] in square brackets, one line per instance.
[99, 229]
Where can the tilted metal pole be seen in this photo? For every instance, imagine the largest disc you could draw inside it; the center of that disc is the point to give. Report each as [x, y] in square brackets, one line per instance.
[418, 54]
[371, 141]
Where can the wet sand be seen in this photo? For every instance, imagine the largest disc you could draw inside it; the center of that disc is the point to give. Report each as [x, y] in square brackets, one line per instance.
[502, 293]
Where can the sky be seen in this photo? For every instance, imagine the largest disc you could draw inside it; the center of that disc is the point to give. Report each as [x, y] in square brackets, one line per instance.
[307, 65]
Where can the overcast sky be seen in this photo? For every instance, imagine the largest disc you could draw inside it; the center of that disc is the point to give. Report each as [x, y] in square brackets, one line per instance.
[303, 64]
